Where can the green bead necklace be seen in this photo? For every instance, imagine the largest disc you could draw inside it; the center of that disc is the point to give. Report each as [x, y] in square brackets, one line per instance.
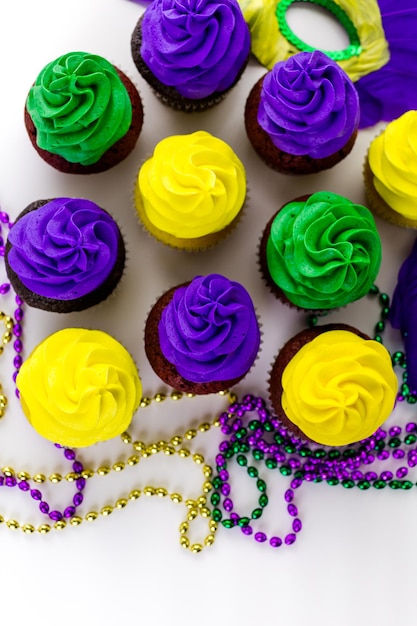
[353, 49]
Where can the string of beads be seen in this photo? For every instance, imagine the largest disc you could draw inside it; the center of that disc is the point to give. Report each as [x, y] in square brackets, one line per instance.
[195, 507]
[248, 441]
[267, 440]
[79, 475]
[353, 49]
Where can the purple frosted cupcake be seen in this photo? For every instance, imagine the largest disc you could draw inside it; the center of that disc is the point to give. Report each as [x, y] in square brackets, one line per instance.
[64, 254]
[302, 116]
[191, 53]
[403, 312]
[203, 336]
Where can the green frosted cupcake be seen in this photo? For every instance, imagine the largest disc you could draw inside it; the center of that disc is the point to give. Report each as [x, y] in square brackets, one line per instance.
[320, 252]
[83, 115]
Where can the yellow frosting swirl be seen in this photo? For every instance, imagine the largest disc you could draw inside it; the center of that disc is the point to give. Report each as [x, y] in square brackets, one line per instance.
[393, 161]
[339, 388]
[192, 186]
[269, 45]
[79, 387]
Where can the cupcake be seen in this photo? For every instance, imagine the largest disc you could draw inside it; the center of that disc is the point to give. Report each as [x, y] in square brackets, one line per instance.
[82, 114]
[320, 252]
[79, 387]
[64, 254]
[203, 336]
[403, 314]
[391, 172]
[189, 194]
[191, 53]
[302, 116]
[333, 385]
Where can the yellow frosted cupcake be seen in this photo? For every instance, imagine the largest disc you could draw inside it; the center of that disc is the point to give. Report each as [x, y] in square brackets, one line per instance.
[333, 385]
[390, 172]
[79, 387]
[189, 194]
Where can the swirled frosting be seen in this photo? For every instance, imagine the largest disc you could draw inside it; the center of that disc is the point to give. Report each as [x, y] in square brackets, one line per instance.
[392, 158]
[339, 388]
[79, 387]
[193, 185]
[64, 249]
[308, 106]
[79, 107]
[323, 252]
[403, 312]
[209, 330]
[197, 46]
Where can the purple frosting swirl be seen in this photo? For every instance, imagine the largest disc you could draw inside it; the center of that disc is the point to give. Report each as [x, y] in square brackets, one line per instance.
[403, 312]
[196, 46]
[209, 330]
[64, 249]
[309, 106]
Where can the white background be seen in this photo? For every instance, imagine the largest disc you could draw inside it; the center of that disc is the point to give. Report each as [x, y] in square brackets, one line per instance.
[354, 561]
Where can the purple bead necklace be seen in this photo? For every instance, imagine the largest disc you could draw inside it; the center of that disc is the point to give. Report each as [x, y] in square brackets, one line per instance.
[7, 475]
[8, 479]
[266, 440]
[349, 466]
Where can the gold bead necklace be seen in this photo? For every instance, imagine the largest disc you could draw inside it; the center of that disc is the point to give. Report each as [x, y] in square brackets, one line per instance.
[195, 508]
[7, 337]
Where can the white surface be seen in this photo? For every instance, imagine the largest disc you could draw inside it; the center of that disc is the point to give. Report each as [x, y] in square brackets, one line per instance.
[354, 561]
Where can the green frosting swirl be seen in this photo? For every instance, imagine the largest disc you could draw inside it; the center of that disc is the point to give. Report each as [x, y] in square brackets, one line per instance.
[79, 107]
[323, 252]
